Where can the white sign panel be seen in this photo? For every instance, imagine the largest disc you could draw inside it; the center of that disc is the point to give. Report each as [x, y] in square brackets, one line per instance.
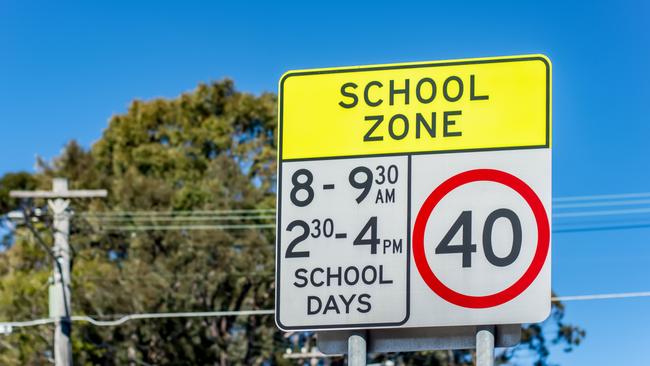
[345, 253]
[481, 238]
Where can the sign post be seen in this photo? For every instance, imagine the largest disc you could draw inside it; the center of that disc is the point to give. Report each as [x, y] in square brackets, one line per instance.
[415, 195]
[485, 346]
[357, 349]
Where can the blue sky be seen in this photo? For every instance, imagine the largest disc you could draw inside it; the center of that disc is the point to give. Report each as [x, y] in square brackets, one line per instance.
[66, 68]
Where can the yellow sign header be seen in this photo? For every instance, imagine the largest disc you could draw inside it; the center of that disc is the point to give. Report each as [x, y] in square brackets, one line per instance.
[458, 105]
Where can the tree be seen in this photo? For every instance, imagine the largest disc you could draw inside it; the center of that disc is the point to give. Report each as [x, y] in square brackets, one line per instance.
[207, 150]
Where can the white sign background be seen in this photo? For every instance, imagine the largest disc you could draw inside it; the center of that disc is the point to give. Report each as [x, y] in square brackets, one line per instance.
[388, 301]
[408, 301]
[429, 171]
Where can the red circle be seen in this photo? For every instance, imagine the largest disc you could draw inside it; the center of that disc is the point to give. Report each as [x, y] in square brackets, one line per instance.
[543, 238]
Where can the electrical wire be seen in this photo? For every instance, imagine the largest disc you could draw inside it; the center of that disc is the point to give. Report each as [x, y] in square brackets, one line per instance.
[630, 211]
[622, 295]
[602, 197]
[208, 314]
[600, 204]
[177, 218]
[559, 202]
[188, 227]
[153, 215]
[174, 213]
[139, 226]
[199, 314]
[560, 229]
[622, 226]
[245, 219]
[162, 218]
[125, 318]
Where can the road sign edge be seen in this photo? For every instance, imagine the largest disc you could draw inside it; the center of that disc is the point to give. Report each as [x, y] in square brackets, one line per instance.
[539, 57]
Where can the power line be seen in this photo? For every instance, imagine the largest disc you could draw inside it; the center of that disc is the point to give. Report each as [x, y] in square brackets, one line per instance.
[624, 199]
[601, 204]
[200, 314]
[28, 323]
[136, 226]
[630, 211]
[125, 318]
[243, 219]
[602, 197]
[623, 226]
[563, 228]
[177, 218]
[260, 216]
[188, 227]
[174, 213]
[199, 216]
[559, 203]
[622, 295]
[208, 314]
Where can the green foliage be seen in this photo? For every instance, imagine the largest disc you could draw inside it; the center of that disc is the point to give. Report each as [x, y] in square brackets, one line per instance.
[14, 181]
[209, 149]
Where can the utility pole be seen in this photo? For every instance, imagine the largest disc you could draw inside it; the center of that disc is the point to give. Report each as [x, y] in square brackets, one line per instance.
[59, 290]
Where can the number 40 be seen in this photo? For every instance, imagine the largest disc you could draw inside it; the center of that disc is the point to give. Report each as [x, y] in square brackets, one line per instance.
[464, 221]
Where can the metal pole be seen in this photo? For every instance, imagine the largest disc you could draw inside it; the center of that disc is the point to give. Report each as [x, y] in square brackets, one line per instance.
[60, 287]
[59, 291]
[357, 349]
[485, 346]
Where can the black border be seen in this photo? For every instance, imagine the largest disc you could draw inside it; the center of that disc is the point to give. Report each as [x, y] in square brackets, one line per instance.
[408, 154]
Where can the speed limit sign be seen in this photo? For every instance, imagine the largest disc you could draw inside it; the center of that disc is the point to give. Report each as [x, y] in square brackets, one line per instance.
[415, 195]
